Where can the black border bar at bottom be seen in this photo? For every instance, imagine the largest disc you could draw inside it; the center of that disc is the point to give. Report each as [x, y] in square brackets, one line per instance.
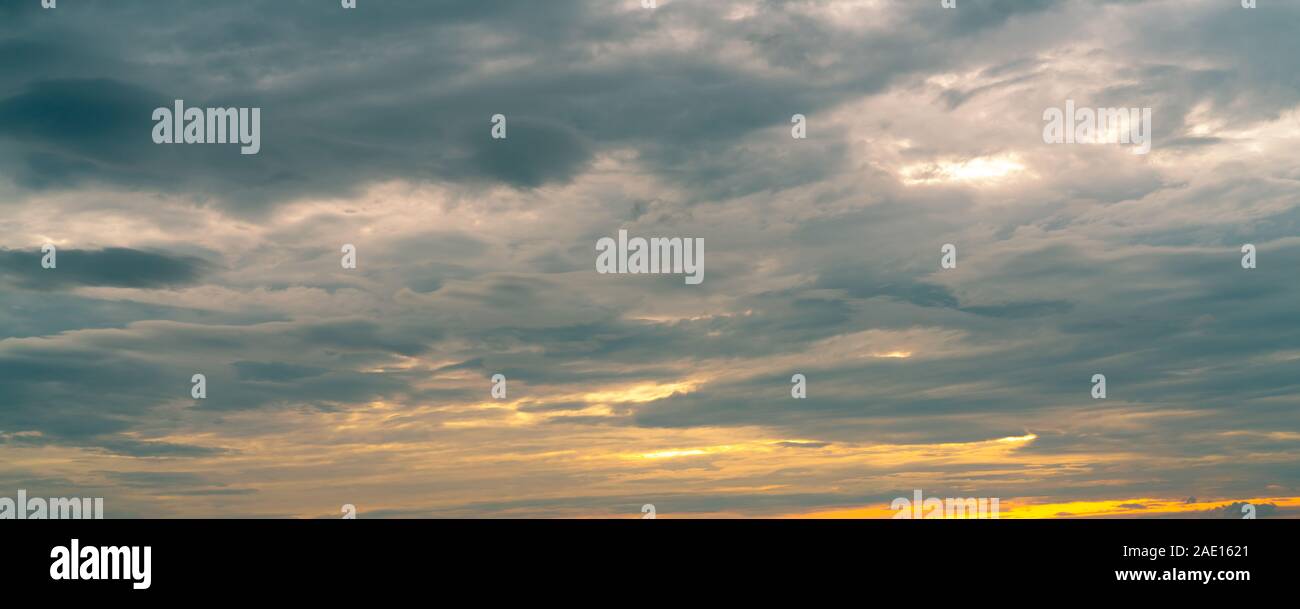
[562, 559]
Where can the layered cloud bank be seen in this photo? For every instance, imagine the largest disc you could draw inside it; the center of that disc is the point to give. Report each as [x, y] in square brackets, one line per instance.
[476, 256]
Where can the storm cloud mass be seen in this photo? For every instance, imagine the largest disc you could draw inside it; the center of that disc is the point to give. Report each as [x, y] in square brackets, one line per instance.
[475, 257]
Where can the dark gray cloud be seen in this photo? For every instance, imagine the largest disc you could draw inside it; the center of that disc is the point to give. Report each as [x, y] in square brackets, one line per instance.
[109, 267]
[325, 129]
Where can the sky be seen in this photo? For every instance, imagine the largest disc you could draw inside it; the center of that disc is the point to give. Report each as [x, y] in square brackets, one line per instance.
[476, 256]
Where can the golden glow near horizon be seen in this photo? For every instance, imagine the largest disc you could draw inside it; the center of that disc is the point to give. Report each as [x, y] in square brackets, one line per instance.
[668, 454]
[639, 392]
[1026, 508]
[288, 468]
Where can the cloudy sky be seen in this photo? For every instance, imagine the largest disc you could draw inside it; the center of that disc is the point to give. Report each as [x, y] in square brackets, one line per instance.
[328, 386]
